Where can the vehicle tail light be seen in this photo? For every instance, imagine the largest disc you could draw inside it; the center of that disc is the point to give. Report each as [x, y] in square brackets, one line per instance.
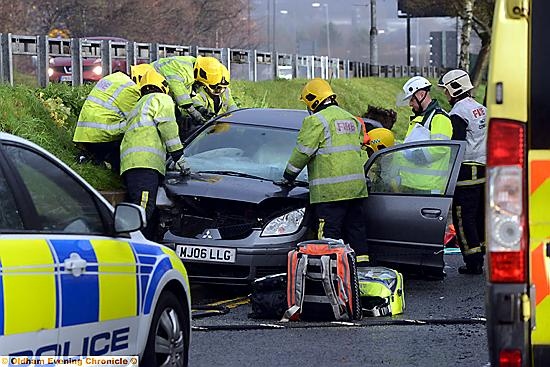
[509, 358]
[506, 209]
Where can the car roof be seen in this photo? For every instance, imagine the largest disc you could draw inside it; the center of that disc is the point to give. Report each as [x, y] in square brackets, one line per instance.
[271, 117]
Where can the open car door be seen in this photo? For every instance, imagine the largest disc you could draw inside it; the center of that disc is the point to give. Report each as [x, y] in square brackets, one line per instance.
[410, 193]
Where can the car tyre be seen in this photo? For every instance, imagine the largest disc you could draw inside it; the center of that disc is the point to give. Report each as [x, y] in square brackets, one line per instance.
[168, 340]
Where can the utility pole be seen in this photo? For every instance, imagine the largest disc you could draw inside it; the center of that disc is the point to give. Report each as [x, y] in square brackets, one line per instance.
[373, 40]
[273, 40]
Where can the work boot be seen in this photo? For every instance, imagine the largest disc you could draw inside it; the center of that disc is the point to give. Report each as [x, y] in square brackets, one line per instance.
[472, 268]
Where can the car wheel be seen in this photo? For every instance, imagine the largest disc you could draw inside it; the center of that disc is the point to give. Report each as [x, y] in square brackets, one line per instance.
[168, 340]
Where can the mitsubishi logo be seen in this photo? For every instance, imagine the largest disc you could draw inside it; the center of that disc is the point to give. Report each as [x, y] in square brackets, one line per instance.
[210, 234]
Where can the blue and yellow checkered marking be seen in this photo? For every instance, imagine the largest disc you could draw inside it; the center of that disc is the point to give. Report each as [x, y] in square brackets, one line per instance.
[120, 281]
[27, 281]
[1, 301]
[79, 295]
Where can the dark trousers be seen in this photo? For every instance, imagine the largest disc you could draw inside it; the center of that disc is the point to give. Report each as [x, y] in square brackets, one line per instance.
[142, 185]
[344, 220]
[105, 152]
[469, 221]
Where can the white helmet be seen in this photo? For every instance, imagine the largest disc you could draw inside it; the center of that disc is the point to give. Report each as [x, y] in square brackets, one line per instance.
[412, 85]
[456, 82]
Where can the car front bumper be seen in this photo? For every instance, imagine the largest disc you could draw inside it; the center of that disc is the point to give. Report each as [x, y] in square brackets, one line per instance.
[256, 257]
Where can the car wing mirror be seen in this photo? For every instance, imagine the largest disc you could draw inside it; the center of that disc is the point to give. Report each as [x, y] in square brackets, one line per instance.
[129, 218]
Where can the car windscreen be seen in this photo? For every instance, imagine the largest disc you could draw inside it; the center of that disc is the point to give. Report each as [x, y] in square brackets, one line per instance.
[260, 151]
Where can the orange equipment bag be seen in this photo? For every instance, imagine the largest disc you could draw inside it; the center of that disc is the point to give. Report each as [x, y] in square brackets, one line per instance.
[322, 282]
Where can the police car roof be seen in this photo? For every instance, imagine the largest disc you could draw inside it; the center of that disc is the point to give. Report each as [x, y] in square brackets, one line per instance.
[271, 117]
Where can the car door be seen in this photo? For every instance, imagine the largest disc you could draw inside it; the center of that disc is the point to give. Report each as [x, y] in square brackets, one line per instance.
[410, 195]
[96, 299]
[27, 279]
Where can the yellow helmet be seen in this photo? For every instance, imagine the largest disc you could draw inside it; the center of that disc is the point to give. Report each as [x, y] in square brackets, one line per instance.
[138, 71]
[380, 138]
[153, 82]
[208, 71]
[315, 92]
[226, 78]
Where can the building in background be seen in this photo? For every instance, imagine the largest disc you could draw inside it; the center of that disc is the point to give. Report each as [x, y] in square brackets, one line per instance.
[444, 49]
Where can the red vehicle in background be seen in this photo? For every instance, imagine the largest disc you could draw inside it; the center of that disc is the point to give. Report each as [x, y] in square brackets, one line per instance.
[60, 69]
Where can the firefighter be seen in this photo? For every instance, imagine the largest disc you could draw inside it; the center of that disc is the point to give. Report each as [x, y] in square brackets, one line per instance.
[468, 119]
[212, 90]
[151, 132]
[102, 119]
[379, 138]
[329, 144]
[421, 168]
[179, 72]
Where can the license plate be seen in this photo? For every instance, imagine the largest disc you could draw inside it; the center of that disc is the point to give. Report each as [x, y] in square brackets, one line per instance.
[66, 78]
[203, 253]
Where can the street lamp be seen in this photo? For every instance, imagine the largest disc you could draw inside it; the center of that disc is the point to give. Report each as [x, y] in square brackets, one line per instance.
[317, 5]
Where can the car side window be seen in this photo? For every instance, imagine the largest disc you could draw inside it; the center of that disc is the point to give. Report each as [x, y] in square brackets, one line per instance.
[62, 203]
[10, 218]
[415, 170]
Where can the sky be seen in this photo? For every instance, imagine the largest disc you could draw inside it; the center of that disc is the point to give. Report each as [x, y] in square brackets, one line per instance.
[301, 28]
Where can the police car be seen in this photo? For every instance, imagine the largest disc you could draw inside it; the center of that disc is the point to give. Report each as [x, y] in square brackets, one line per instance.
[76, 277]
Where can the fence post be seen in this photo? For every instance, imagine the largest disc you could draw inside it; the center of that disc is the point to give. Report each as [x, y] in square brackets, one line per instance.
[6, 59]
[106, 63]
[42, 60]
[274, 65]
[254, 65]
[225, 56]
[76, 61]
[294, 66]
[153, 52]
[131, 57]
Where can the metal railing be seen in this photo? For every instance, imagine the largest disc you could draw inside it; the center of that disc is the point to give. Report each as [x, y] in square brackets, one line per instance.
[243, 64]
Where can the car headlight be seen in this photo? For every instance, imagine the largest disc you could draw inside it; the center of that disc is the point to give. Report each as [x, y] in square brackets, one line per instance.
[285, 224]
[50, 71]
[98, 70]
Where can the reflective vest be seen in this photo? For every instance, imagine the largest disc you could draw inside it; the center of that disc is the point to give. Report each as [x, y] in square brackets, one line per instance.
[103, 115]
[431, 171]
[329, 143]
[472, 171]
[152, 131]
[474, 114]
[178, 72]
[225, 102]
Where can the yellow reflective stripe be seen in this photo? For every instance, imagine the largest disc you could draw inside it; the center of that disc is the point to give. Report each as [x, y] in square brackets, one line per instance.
[144, 199]
[118, 287]
[28, 279]
[321, 228]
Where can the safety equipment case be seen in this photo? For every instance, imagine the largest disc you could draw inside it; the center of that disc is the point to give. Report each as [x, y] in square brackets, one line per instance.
[381, 291]
[322, 282]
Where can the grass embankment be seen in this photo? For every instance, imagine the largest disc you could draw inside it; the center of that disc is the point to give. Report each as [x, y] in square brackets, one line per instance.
[48, 116]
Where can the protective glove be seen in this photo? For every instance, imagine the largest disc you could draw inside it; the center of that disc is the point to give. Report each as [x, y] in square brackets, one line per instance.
[181, 165]
[176, 155]
[284, 183]
[196, 115]
[205, 113]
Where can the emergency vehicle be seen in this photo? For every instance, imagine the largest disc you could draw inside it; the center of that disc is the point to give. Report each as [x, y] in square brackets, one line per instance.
[518, 173]
[77, 277]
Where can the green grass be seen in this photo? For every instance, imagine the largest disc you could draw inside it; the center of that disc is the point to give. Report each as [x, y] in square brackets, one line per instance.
[24, 113]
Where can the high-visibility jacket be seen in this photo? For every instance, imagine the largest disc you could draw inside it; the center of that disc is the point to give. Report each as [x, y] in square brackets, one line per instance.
[103, 115]
[178, 72]
[217, 106]
[329, 143]
[427, 168]
[468, 118]
[151, 132]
